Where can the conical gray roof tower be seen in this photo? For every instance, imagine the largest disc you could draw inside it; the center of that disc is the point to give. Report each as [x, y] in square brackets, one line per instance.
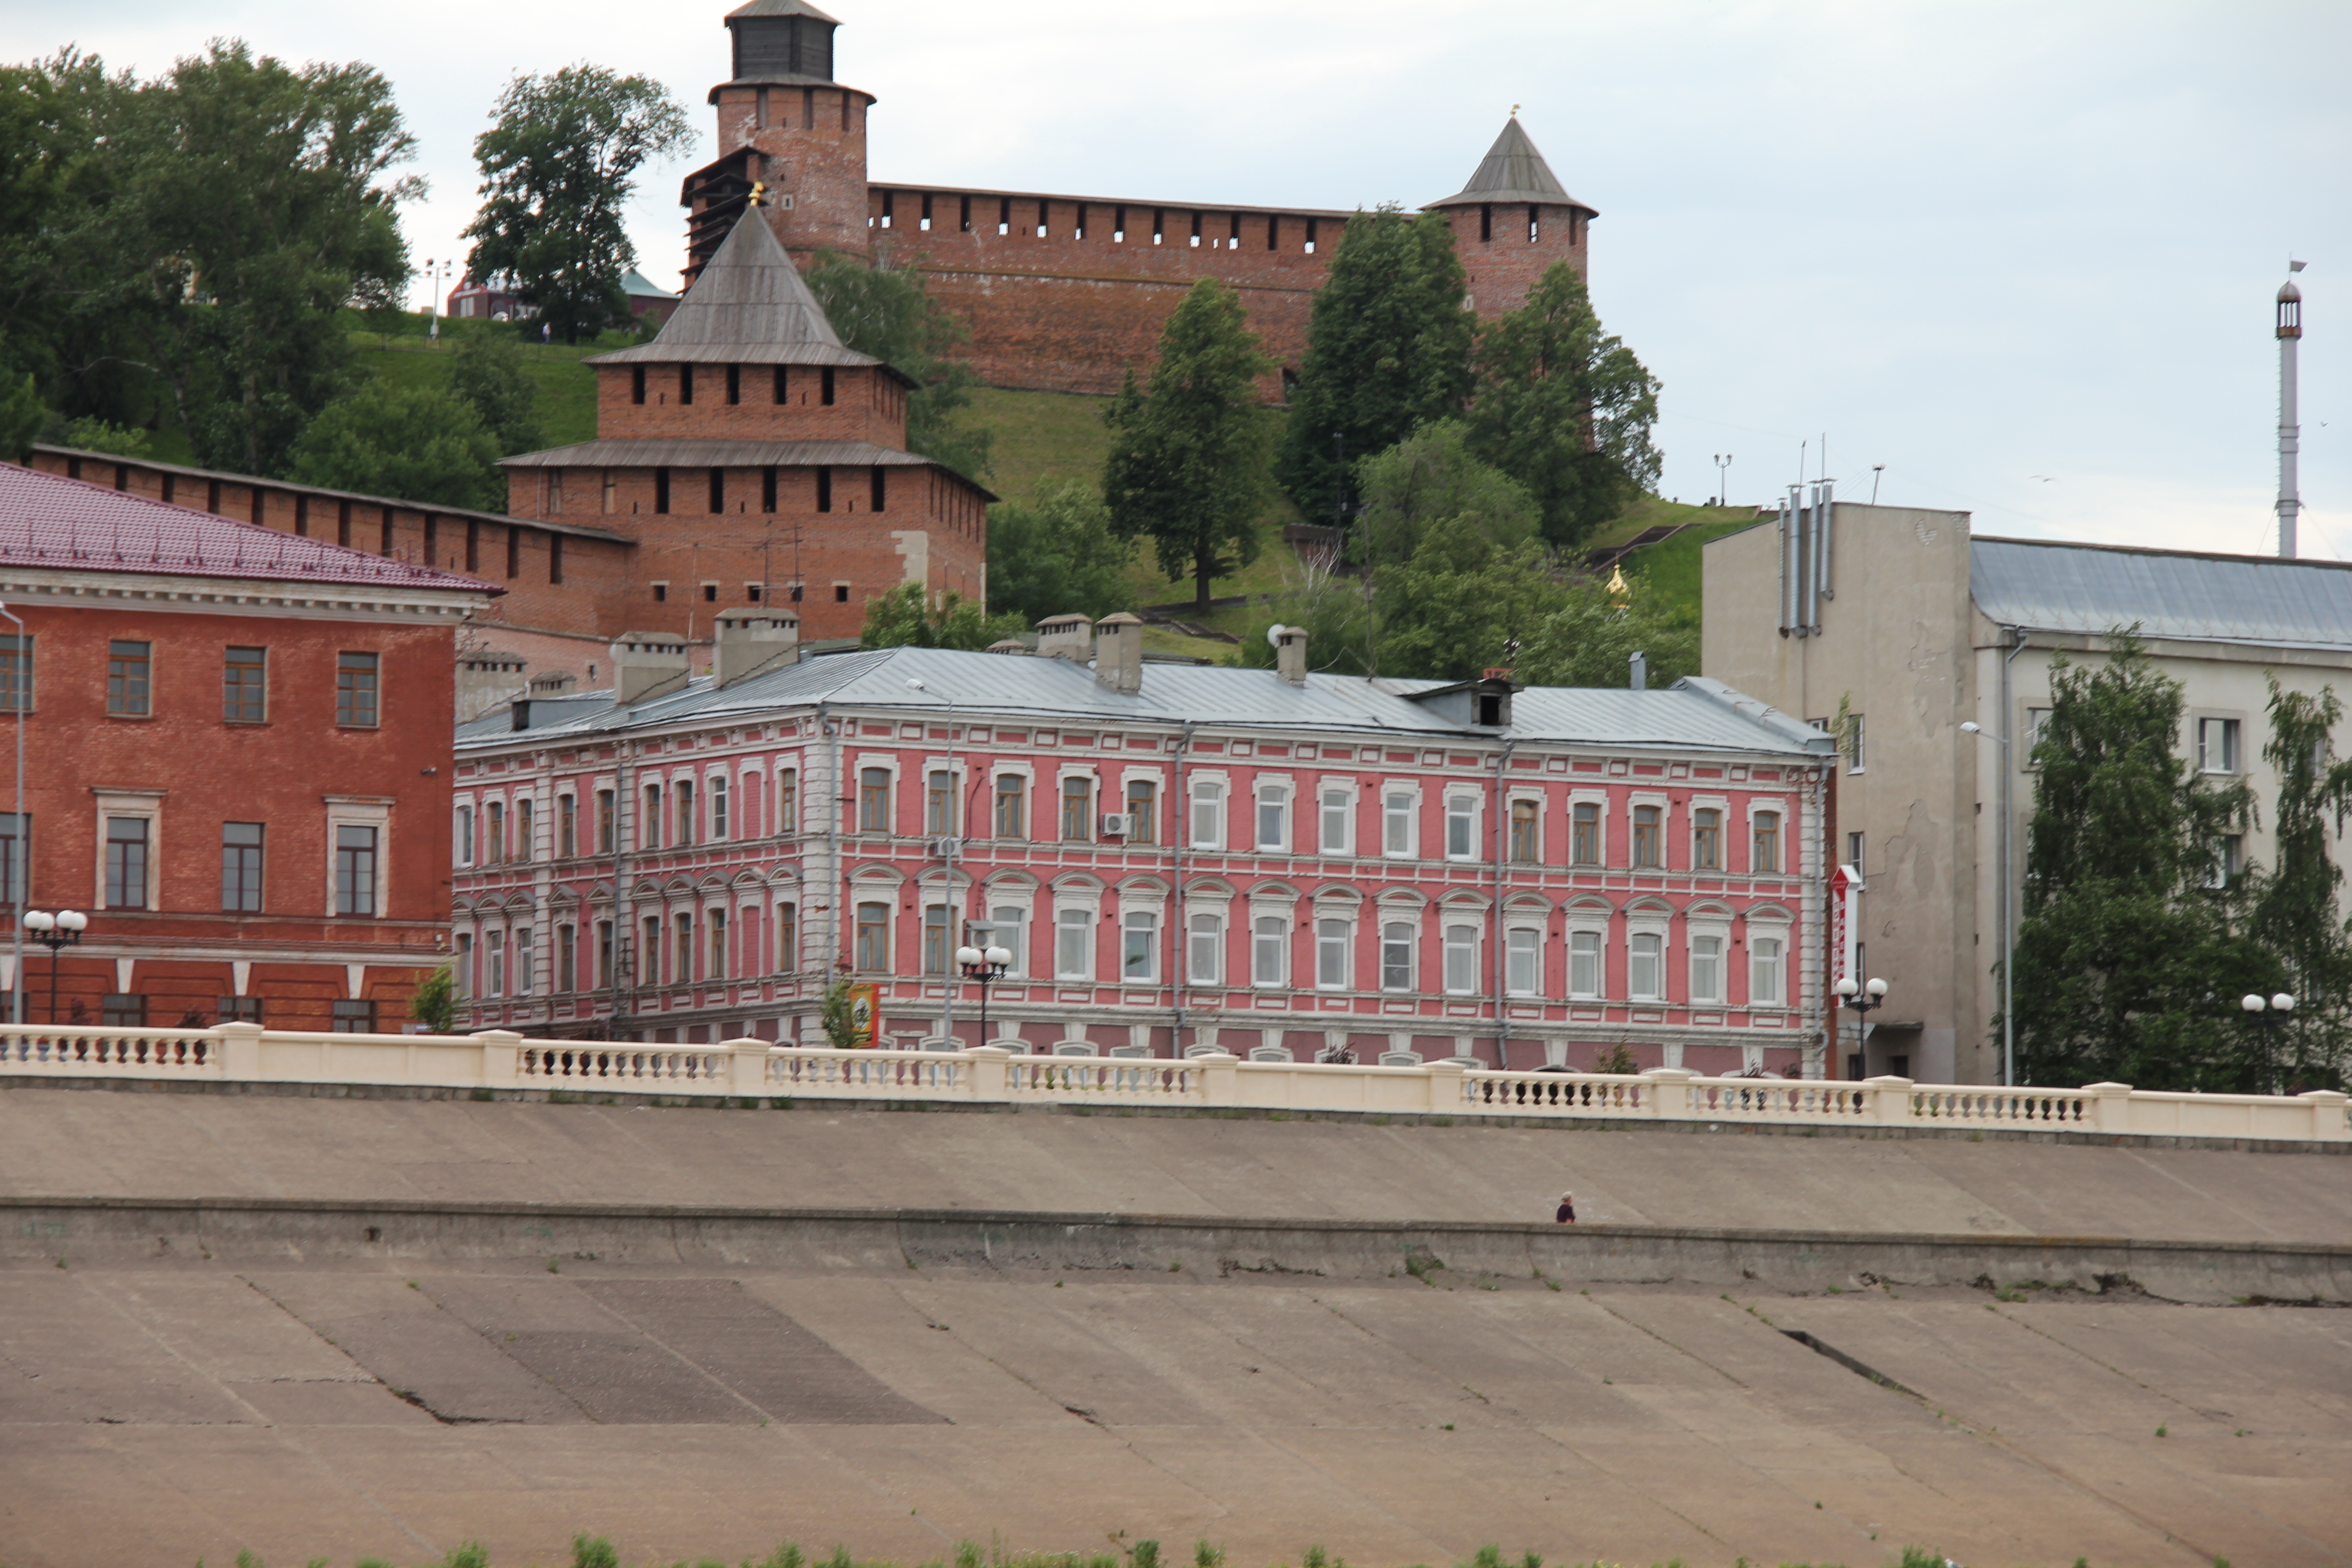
[1513, 171]
[749, 306]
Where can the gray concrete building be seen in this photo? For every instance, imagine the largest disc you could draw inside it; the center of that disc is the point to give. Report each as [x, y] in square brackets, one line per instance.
[1908, 626]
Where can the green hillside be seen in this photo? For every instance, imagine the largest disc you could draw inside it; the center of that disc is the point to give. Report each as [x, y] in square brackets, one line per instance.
[567, 388]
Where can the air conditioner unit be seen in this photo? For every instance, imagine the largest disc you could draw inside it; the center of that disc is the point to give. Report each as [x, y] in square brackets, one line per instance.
[1117, 824]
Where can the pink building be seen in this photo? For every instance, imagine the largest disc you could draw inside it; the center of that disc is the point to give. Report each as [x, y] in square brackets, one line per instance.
[1180, 858]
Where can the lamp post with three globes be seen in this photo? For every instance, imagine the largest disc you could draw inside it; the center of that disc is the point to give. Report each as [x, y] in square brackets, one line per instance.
[2268, 1013]
[1862, 997]
[983, 967]
[53, 932]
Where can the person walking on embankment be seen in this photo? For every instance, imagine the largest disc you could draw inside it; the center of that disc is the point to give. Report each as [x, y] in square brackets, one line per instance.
[1567, 1214]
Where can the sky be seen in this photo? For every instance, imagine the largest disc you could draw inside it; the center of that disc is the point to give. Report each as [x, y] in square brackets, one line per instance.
[2016, 259]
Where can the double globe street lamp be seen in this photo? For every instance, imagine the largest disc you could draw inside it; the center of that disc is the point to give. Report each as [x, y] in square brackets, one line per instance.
[2268, 1013]
[1862, 997]
[53, 932]
[983, 967]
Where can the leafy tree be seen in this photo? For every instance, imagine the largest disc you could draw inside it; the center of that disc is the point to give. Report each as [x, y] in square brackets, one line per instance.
[1388, 348]
[2296, 913]
[92, 434]
[558, 169]
[885, 311]
[1056, 554]
[1187, 459]
[838, 1018]
[1433, 473]
[420, 444]
[22, 415]
[2130, 961]
[1591, 639]
[485, 370]
[1564, 408]
[1451, 610]
[435, 1003]
[905, 617]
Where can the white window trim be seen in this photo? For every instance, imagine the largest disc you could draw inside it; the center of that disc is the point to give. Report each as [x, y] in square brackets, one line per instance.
[1587, 797]
[1275, 789]
[1453, 916]
[1771, 929]
[1348, 787]
[1409, 787]
[1716, 803]
[1193, 779]
[958, 772]
[359, 811]
[1477, 800]
[1659, 923]
[889, 760]
[1593, 921]
[1084, 900]
[1155, 906]
[147, 805]
[1220, 910]
[1720, 927]
[1346, 915]
[1258, 911]
[1665, 805]
[1410, 916]
[1758, 806]
[1514, 794]
[1537, 922]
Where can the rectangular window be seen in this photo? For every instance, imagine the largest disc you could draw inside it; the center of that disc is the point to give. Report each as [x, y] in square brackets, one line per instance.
[1706, 969]
[2229, 859]
[788, 938]
[1524, 818]
[718, 490]
[879, 496]
[1764, 852]
[464, 836]
[1584, 833]
[1077, 810]
[824, 388]
[1396, 956]
[788, 801]
[567, 827]
[1010, 930]
[607, 822]
[119, 1011]
[1269, 951]
[1139, 947]
[352, 1018]
[1208, 814]
[494, 964]
[15, 843]
[1396, 824]
[637, 383]
[1204, 950]
[236, 1010]
[1332, 949]
[356, 676]
[2217, 745]
[1854, 845]
[241, 868]
[16, 674]
[683, 817]
[873, 938]
[719, 809]
[661, 490]
[1074, 946]
[874, 800]
[1461, 960]
[1584, 964]
[1521, 974]
[604, 955]
[461, 969]
[526, 972]
[1142, 811]
[939, 804]
[1643, 968]
[1706, 839]
[1645, 836]
[685, 950]
[494, 832]
[1764, 970]
[652, 954]
[130, 665]
[126, 862]
[525, 841]
[355, 849]
[685, 385]
[1272, 818]
[2035, 718]
[1856, 751]
[1011, 806]
[1460, 827]
[245, 685]
[567, 958]
[1336, 830]
[735, 382]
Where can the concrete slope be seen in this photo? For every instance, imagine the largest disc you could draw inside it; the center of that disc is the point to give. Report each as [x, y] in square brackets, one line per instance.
[66, 1142]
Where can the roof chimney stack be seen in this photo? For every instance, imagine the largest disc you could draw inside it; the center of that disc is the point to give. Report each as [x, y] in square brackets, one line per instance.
[1066, 637]
[1119, 653]
[647, 664]
[753, 642]
[1641, 663]
[1289, 653]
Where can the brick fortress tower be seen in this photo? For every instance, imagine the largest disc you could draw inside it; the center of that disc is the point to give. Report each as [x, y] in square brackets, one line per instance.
[753, 460]
[1064, 292]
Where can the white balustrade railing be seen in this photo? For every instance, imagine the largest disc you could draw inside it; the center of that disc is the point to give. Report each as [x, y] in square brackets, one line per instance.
[496, 1058]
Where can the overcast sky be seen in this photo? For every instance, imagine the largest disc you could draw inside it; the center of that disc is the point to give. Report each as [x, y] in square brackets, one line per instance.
[2020, 255]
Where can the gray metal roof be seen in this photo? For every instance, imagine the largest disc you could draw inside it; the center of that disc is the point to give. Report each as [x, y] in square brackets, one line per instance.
[781, 8]
[2182, 595]
[638, 286]
[1513, 171]
[1692, 716]
[727, 455]
[749, 306]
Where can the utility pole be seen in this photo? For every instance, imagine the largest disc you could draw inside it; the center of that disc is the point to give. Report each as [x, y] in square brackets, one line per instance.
[2290, 431]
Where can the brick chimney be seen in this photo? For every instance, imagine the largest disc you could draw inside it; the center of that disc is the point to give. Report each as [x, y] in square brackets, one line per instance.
[753, 642]
[647, 664]
[1119, 653]
[1290, 653]
[1066, 637]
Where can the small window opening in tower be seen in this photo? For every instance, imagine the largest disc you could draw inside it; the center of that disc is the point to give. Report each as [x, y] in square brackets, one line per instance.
[841, 593]
[825, 489]
[1045, 218]
[685, 384]
[879, 500]
[963, 222]
[1311, 224]
[1233, 240]
[825, 395]
[661, 489]
[808, 108]
[1158, 225]
[752, 592]
[1486, 221]
[718, 491]
[1575, 224]
[1118, 226]
[637, 383]
[1004, 216]
[661, 592]
[783, 393]
[759, 110]
[1080, 232]
[734, 384]
[768, 487]
[1196, 231]
[1272, 233]
[926, 219]
[889, 202]
[711, 593]
[1535, 224]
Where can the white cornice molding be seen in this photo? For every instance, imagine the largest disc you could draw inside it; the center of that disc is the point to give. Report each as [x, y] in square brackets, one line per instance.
[284, 598]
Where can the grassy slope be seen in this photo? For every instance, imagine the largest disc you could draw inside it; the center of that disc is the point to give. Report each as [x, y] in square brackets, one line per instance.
[567, 388]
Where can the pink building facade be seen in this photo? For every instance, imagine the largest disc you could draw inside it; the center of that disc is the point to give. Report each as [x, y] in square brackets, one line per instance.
[1180, 858]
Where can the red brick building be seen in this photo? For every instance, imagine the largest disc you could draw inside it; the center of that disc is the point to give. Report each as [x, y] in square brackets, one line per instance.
[1065, 291]
[238, 759]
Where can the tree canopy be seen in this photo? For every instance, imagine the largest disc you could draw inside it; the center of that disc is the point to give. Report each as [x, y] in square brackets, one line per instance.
[2296, 913]
[485, 370]
[1187, 463]
[420, 444]
[905, 617]
[888, 312]
[1388, 347]
[557, 167]
[1055, 554]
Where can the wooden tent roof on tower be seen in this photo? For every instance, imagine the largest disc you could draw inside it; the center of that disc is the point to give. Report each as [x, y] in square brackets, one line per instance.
[1513, 171]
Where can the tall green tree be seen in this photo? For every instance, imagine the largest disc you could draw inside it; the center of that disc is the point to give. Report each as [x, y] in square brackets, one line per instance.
[558, 168]
[2130, 958]
[1187, 463]
[1590, 637]
[1455, 607]
[1388, 347]
[2297, 912]
[887, 311]
[485, 370]
[1055, 554]
[415, 443]
[1434, 473]
[905, 617]
[1565, 408]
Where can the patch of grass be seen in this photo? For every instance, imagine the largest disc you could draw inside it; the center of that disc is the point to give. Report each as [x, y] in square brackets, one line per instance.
[566, 387]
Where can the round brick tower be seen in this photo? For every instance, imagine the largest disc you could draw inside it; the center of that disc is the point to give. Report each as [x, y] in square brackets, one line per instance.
[1513, 222]
[786, 124]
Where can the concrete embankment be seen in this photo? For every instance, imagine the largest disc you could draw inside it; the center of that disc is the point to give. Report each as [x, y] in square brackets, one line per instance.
[1180, 1249]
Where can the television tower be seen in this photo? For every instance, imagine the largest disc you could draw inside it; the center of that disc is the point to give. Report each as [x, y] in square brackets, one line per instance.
[2290, 332]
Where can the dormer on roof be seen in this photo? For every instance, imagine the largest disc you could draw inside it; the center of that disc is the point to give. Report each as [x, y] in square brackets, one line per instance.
[1481, 705]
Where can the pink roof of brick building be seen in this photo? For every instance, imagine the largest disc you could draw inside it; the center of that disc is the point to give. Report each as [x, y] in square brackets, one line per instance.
[49, 521]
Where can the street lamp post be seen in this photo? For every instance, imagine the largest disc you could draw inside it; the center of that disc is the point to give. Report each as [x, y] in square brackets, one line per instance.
[53, 932]
[2008, 924]
[1722, 479]
[949, 844]
[2268, 1013]
[1862, 997]
[983, 968]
